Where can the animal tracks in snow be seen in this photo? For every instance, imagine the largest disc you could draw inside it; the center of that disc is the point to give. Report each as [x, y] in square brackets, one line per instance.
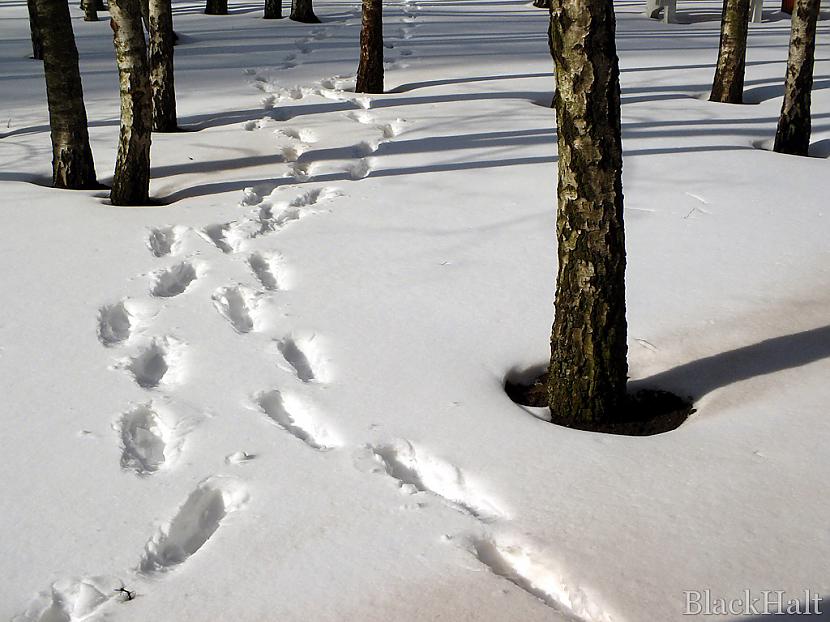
[194, 524]
[418, 471]
[296, 418]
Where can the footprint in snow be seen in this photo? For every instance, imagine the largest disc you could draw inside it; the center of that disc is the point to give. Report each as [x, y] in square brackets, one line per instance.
[157, 362]
[296, 418]
[149, 439]
[174, 280]
[72, 600]
[238, 305]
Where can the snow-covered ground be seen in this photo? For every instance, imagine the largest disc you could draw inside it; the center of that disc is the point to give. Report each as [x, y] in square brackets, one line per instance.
[279, 396]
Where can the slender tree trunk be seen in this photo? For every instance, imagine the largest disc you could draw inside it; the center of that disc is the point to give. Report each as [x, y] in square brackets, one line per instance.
[793, 135]
[216, 7]
[303, 11]
[145, 14]
[370, 68]
[72, 163]
[131, 181]
[588, 367]
[90, 11]
[541, 4]
[273, 9]
[728, 85]
[161, 66]
[34, 27]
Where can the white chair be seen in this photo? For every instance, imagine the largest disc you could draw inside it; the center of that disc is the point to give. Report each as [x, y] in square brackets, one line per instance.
[669, 10]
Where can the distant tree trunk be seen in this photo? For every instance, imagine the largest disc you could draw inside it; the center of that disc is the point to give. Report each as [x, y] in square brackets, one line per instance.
[273, 9]
[216, 7]
[303, 11]
[793, 135]
[542, 4]
[37, 39]
[90, 11]
[131, 181]
[145, 14]
[161, 66]
[588, 367]
[728, 85]
[370, 68]
[72, 163]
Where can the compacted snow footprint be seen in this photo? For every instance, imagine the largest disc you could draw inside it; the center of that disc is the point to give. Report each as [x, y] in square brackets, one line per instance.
[174, 280]
[71, 600]
[115, 323]
[147, 441]
[155, 362]
[270, 270]
[237, 304]
[194, 524]
[296, 418]
[165, 240]
[304, 354]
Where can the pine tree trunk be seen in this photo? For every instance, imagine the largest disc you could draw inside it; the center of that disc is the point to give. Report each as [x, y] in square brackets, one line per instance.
[90, 11]
[161, 66]
[370, 68]
[728, 85]
[588, 367]
[303, 11]
[37, 38]
[131, 181]
[793, 135]
[72, 163]
[216, 7]
[273, 9]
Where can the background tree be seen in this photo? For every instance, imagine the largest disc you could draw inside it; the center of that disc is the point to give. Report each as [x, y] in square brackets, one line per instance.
[37, 39]
[370, 68]
[90, 10]
[72, 163]
[273, 9]
[303, 11]
[793, 134]
[728, 85]
[161, 43]
[541, 4]
[131, 181]
[588, 367]
[216, 7]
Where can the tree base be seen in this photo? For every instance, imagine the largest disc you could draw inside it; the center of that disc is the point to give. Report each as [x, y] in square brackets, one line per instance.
[646, 412]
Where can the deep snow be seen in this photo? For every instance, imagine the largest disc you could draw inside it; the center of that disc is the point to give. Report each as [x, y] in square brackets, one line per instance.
[279, 397]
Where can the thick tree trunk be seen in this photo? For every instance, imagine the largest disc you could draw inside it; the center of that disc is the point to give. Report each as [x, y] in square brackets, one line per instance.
[303, 11]
[273, 9]
[370, 68]
[216, 7]
[588, 367]
[131, 181]
[793, 135]
[728, 85]
[161, 66]
[72, 163]
[90, 11]
[37, 38]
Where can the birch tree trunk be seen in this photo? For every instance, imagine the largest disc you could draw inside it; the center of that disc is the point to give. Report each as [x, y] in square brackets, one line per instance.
[793, 134]
[72, 163]
[216, 7]
[370, 68]
[161, 66]
[728, 85]
[37, 39]
[131, 181]
[303, 11]
[588, 367]
[273, 9]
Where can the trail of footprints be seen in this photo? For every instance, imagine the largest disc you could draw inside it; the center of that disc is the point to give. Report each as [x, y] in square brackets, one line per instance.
[151, 436]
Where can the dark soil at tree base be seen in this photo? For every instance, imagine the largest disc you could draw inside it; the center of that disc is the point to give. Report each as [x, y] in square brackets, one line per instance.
[646, 412]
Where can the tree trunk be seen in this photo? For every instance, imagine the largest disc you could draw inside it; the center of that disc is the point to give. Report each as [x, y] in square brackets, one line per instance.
[90, 11]
[37, 38]
[728, 85]
[273, 9]
[145, 14]
[216, 7]
[588, 367]
[370, 68]
[542, 4]
[131, 181]
[72, 163]
[161, 66]
[303, 11]
[793, 135]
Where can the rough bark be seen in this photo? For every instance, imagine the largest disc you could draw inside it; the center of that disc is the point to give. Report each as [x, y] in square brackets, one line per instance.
[273, 9]
[728, 85]
[793, 134]
[216, 7]
[303, 11]
[588, 367]
[161, 43]
[370, 68]
[72, 163]
[90, 11]
[131, 181]
[37, 38]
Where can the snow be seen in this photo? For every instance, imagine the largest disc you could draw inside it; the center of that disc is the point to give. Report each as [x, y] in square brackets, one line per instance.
[279, 396]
